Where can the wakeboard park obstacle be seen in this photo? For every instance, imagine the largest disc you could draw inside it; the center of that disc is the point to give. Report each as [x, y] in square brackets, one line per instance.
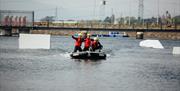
[34, 41]
[176, 50]
[151, 44]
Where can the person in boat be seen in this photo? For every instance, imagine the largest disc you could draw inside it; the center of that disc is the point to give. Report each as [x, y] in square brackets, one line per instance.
[84, 34]
[96, 44]
[78, 43]
[87, 42]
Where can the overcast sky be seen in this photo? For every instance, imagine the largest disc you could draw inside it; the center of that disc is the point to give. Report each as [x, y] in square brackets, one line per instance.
[90, 9]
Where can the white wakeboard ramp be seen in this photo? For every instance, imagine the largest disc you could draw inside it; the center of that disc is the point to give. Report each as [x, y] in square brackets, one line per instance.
[151, 43]
[34, 41]
[176, 50]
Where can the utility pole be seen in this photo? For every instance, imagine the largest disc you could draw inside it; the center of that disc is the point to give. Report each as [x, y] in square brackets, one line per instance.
[158, 12]
[94, 10]
[141, 11]
[129, 12]
[56, 14]
[179, 8]
[112, 16]
[103, 10]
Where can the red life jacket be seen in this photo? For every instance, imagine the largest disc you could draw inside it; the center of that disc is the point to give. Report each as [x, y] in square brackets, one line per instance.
[87, 42]
[78, 42]
[94, 44]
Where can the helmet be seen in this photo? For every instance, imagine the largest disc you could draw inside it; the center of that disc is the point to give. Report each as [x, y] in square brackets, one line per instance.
[96, 38]
[88, 34]
[80, 34]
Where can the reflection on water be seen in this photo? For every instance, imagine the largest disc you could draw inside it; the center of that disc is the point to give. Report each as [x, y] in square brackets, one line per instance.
[128, 67]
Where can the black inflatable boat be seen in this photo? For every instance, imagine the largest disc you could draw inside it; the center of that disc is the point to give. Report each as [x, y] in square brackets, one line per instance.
[88, 55]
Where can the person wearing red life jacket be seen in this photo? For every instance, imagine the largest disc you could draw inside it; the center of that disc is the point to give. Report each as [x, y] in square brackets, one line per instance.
[87, 42]
[78, 43]
[96, 44]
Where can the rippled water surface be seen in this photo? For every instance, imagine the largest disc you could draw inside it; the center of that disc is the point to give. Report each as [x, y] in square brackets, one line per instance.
[128, 67]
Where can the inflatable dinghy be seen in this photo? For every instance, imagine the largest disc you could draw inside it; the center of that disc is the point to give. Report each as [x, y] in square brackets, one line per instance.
[88, 55]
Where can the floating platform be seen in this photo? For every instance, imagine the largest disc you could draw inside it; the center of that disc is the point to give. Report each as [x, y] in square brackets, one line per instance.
[88, 55]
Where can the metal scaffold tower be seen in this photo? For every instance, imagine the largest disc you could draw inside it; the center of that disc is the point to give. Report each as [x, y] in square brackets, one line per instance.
[141, 11]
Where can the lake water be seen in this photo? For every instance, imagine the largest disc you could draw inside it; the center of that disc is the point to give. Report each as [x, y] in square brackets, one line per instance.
[128, 67]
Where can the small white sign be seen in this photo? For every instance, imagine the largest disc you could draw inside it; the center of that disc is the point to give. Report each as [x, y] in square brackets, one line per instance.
[34, 41]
